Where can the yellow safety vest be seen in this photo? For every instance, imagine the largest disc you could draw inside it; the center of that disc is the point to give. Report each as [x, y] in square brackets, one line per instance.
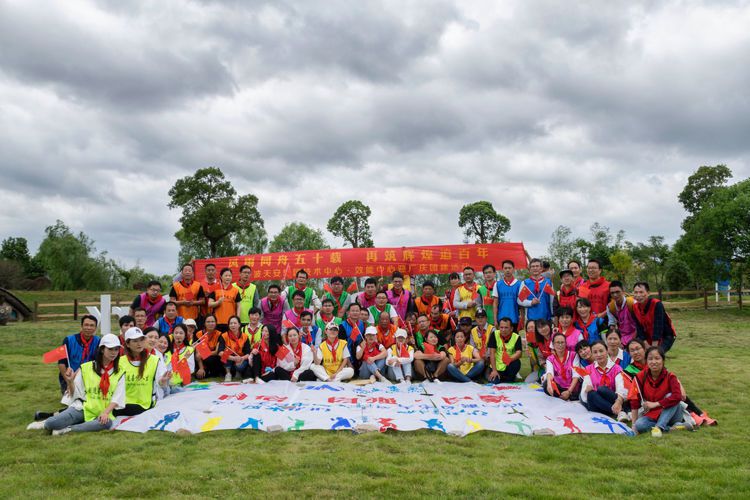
[328, 363]
[509, 348]
[139, 390]
[96, 402]
[247, 296]
[467, 352]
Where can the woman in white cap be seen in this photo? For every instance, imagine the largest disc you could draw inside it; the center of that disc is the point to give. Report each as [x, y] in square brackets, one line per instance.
[98, 388]
[400, 358]
[332, 357]
[372, 354]
[143, 373]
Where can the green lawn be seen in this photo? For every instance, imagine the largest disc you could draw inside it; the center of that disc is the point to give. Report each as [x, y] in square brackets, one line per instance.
[711, 357]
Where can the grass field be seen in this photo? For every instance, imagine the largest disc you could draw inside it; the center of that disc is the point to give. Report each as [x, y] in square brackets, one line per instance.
[711, 357]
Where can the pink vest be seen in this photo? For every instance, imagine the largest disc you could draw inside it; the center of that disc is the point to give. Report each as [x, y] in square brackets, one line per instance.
[573, 339]
[151, 310]
[399, 302]
[272, 315]
[292, 317]
[626, 324]
[364, 302]
[563, 371]
[596, 376]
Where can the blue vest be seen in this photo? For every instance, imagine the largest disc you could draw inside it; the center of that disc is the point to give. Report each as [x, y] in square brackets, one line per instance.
[507, 300]
[543, 310]
[352, 344]
[163, 326]
[594, 329]
[75, 350]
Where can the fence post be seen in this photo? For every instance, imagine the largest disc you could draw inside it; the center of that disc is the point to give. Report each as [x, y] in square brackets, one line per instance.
[661, 299]
[36, 311]
[705, 299]
[75, 309]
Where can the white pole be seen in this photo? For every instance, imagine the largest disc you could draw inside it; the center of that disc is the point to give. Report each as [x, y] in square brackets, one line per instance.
[105, 324]
[716, 288]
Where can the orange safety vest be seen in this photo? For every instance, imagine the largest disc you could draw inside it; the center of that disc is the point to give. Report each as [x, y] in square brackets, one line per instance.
[187, 293]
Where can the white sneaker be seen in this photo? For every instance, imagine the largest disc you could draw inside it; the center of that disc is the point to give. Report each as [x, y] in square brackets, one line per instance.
[228, 377]
[250, 380]
[622, 417]
[36, 426]
[60, 432]
[437, 381]
[259, 380]
[381, 377]
[372, 379]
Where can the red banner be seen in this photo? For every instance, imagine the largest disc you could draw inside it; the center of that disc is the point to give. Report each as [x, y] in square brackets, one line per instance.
[351, 262]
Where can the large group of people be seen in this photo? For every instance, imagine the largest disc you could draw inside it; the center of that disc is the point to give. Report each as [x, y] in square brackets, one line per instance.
[589, 341]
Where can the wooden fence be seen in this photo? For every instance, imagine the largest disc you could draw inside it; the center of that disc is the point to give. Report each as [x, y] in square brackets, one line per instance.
[76, 309]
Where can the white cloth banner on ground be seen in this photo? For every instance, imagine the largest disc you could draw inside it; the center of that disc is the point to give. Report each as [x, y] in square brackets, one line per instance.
[453, 408]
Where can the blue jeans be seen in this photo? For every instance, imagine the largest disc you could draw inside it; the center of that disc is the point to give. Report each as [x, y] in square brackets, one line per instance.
[368, 369]
[243, 369]
[472, 374]
[73, 418]
[667, 418]
[601, 401]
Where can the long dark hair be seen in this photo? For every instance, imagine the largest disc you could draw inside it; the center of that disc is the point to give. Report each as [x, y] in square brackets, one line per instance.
[274, 339]
[538, 324]
[142, 358]
[171, 337]
[99, 361]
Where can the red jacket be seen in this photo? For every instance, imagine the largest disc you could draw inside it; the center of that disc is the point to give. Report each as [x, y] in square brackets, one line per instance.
[598, 294]
[665, 390]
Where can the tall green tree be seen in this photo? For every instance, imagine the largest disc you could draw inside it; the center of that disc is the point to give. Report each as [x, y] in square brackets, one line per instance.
[16, 249]
[297, 236]
[351, 222]
[700, 187]
[562, 247]
[482, 223]
[215, 220]
[651, 261]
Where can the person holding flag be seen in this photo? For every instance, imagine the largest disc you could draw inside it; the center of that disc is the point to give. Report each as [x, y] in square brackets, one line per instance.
[332, 358]
[311, 300]
[352, 330]
[400, 358]
[180, 358]
[98, 388]
[208, 360]
[466, 300]
[485, 291]
[264, 356]
[335, 292]
[536, 293]
[431, 361]
[577, 269]
[366, 298]
[371, 354]
[505, 295]
[303, 360]
[466, 364]
[248, 293]
[234, 350]
[77, 349]
[505, 353]
[539, 347]
[561, 380]
[659, 393]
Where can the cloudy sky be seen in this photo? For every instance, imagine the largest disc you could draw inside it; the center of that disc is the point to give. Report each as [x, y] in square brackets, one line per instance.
[556, 112]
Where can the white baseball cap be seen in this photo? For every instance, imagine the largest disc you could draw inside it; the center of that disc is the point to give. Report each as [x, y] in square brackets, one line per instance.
[110, 341]
[371, 330]
[190, 322]
[133, 333]
[332, 326]
[401, 333]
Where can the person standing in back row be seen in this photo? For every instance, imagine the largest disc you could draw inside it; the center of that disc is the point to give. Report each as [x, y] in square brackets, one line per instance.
[596, 289]
[188, 295]
[249, 296]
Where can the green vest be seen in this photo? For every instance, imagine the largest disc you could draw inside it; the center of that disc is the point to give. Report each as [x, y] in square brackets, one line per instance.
[247, 297]
[139, 391]
[488, 308]
[254, 338]
[176, 378]
[343, 297]
[96, 402]
[322, 324]
[376, 314]
[308, 296]
[509, 348]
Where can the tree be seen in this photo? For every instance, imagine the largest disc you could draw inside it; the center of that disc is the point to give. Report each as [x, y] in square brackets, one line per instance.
[351, 223]
[700, 187]
[297, 236]
[69, 263]
[651, 259]
[252, 241]
[214, 219]
[561, 248]
[480, 221]
[16, 249]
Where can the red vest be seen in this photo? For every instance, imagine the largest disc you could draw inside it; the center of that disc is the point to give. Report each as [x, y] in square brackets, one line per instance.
[644, 313]
[597, 293]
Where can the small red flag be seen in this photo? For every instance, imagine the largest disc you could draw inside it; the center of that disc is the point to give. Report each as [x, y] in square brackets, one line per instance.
[555, 388]
[225, 355]
[183, 369]
[429, 349]
[352, 288]
[55, 355]
[203, 350]
[287, 324]
[524, 293]
[631, 386]
[354, 333]
[327, 288]
[549, 290]
[506, 358]
[282, 352]
[580, 371]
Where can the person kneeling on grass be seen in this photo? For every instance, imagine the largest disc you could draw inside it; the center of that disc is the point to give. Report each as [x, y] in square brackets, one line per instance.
[505, 353]
[303, 359]
[560, 378]
[332, 357]
[466, 363]
[659, 393]
[432, 361]
[400, 358]
[372, 354]
[98, 388]
[603, 388]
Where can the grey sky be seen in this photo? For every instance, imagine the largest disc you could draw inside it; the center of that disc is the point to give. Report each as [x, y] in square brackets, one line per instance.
[557, 112]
